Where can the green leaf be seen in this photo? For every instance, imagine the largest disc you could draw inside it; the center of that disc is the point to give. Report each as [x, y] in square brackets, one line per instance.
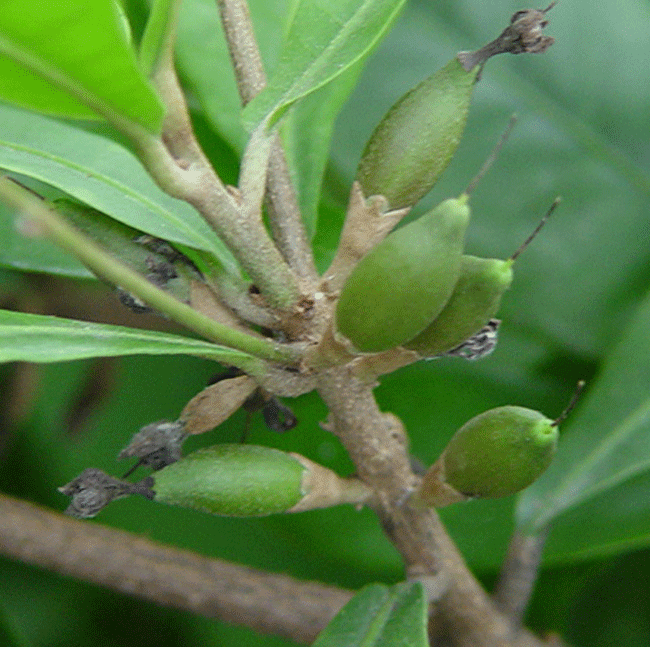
[71, 58]
[103, 175]
[612, 522]
[10, 634]
[34, 254]
[39, 338]
[308, 156]
[158, 28]
[324, 39]
[609, 437]
[380, 616]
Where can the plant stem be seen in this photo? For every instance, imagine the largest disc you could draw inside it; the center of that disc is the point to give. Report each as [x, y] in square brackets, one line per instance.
[284, 213]
[179, 166]
[104, 265]
[519, 574]
[377, 443]
[127, 563]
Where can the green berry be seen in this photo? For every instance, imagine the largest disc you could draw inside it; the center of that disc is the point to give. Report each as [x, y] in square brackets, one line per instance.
[232, 480]
[474, 301]
[401, 285]
[416, 140]
[499, 452]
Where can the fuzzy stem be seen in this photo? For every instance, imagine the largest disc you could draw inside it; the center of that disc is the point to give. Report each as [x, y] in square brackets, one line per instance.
[282, 204]
[518, 575]
[104, 265]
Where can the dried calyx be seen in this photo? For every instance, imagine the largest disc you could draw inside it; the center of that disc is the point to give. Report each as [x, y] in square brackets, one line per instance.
[523, 36]
[93, 490]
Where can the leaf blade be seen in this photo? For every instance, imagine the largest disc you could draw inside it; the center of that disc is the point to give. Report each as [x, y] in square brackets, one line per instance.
[606, 445]
[380, 616]
[103, 175]
[323, 40]
[45, 339]
[64, 58]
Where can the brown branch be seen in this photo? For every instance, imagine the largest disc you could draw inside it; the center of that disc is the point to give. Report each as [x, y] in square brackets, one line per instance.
[518, 575]
[285, 218]
[464, 614]
[126, 563]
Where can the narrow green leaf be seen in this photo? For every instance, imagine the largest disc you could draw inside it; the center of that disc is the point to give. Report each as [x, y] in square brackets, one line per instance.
[157, 31]
[308, 156]
[325, 38]
[40, 338]
[103, 175]
[380, 616]
[607, 443]
[65, 58]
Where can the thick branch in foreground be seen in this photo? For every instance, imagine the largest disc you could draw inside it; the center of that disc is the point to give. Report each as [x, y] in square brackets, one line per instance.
[127, 563]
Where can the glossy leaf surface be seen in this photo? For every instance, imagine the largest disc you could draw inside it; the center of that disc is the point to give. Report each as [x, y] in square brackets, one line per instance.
[73, 59]
[103, 175]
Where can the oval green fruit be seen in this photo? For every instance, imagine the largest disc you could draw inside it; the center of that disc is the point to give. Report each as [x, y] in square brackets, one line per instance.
[474, 301]
[417, 138]
[232, 480]
[499, 452]
[401, 285]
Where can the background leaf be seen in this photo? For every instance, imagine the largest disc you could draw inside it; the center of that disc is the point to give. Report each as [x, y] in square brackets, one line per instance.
[103, 175]
[69, 58]
[323, 40]
[380, 616]
[604, 447]
[39, 338]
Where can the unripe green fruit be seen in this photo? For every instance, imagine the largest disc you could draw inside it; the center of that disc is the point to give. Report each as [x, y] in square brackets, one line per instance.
[474, 301]
[417, 138]
[401, 285]
[232, 480]
[499, 452]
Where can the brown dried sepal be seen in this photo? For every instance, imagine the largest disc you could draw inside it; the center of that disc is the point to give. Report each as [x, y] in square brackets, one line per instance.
[434, 491]
[324, 488]
[523, 36]
[216, 403]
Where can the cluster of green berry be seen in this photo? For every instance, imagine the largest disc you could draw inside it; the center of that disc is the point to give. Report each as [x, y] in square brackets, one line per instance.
[415, 290]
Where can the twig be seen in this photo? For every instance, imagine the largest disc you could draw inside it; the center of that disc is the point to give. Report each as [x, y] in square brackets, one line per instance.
[519, 574]
[124, 562]
[177, 163]
[284, 213]
[377, 444]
